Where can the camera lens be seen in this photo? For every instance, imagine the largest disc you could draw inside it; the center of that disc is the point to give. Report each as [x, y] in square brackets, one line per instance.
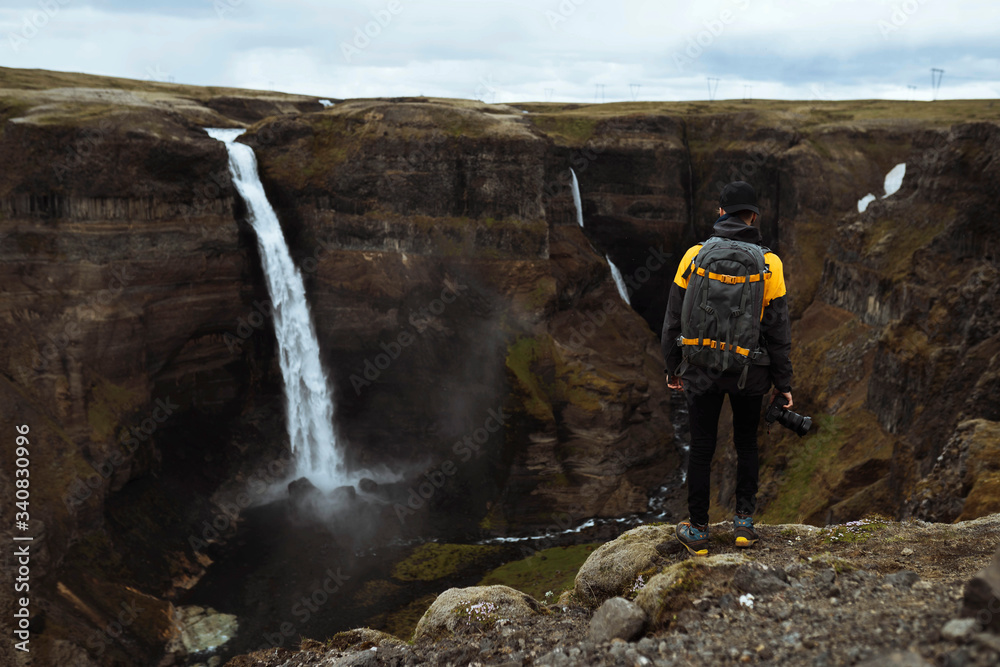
[795, 422]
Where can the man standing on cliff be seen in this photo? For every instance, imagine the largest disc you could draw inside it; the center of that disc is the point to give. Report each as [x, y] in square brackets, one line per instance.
[700, 365]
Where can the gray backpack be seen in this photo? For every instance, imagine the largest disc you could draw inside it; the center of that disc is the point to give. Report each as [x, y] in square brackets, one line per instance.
[721, 313]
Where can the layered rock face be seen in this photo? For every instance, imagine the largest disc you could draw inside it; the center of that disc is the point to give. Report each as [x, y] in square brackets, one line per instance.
[123, 271]
[918, 273]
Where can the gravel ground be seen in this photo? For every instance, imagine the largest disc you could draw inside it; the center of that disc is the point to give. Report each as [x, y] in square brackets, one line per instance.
[879, 593]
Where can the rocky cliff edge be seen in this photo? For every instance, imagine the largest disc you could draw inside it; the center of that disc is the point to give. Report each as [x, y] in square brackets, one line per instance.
[870, 592]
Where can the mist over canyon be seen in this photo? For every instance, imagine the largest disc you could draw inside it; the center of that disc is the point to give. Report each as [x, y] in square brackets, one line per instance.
[490, 381]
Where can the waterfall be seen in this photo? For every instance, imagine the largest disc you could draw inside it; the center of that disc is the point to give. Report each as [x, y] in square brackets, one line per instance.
[576, 199]
[308, 401]
[616, 275]
[619, 281]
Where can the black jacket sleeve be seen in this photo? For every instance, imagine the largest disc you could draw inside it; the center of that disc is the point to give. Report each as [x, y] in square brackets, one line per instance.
[776, 329]
[672, 329]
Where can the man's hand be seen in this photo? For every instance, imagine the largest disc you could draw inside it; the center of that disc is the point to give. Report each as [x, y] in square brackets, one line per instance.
[788, 398]
[675, 382]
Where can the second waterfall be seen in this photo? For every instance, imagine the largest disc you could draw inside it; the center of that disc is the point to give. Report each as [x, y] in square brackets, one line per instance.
[308, 400]
[616, 275]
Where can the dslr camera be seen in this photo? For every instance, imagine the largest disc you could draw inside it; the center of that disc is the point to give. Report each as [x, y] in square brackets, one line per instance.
[777, 412]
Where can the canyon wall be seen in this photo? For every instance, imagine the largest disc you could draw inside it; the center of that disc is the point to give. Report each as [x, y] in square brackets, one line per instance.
[468, 323]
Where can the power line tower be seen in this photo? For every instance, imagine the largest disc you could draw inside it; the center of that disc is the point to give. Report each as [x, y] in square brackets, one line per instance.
[747, 93]
[913, 92]
[713, 86]
[598, 92]
[548, 94]
[936, 75]
[634, 89]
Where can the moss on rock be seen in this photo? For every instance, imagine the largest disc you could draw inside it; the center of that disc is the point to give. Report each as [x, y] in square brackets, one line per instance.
[361, 639]
[544, 377]
[613, 568]
[855, 531]
[432, 561]
[523, 355]
[826, 464]
[462, 609]
[673, 589]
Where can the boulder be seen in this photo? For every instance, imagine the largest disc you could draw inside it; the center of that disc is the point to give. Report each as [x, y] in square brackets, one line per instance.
[982, 596]
[478, 607]
[896, 659]
[200, 629]
[360, 659]
[902, 579]
[675, 588]
[613, 568]
[959, 629]
[759, 579]
[343, 495]
[359, 639]
[617, 618]
[302, 489]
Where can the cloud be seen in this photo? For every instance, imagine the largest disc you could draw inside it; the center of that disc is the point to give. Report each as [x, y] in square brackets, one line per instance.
[518, 50]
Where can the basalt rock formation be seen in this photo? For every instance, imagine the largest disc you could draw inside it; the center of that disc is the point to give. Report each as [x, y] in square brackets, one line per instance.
[123, 271]
[475, 340]
[895, 329]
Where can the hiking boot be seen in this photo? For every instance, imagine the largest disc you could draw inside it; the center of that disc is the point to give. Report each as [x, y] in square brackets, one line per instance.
[743, 530]
[694, 538]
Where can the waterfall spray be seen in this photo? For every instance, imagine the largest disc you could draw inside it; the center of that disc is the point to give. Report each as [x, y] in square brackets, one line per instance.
[308, 401]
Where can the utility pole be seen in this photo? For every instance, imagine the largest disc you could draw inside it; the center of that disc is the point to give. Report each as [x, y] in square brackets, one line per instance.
[713, 85]
[598, 92]
[913, 92]
[936, 75]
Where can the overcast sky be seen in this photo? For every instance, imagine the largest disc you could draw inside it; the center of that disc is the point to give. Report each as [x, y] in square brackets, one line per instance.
[515, 50]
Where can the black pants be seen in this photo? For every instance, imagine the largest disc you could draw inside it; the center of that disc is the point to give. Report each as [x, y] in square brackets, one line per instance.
[704, 410]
